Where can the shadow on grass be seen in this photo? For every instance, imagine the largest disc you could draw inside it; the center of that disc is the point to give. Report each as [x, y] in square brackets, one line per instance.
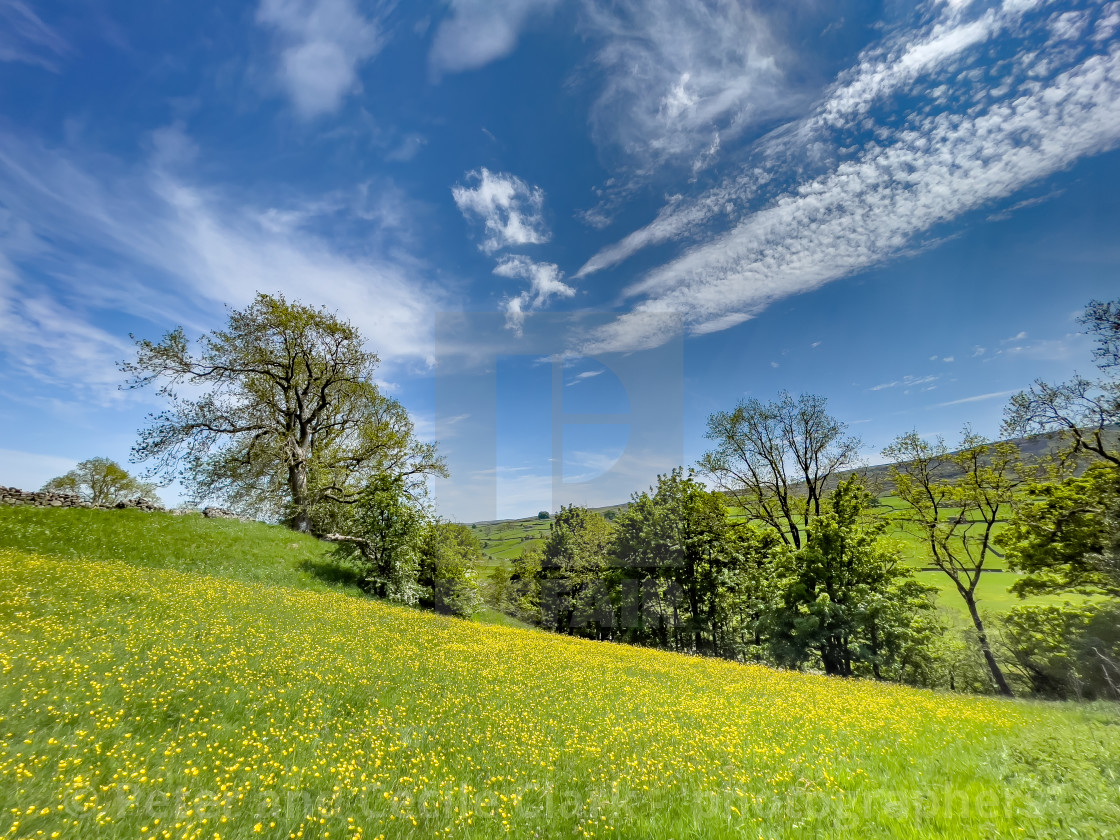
[335, 571]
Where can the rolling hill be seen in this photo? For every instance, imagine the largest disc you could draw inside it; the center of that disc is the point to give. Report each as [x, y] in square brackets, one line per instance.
[173, 678]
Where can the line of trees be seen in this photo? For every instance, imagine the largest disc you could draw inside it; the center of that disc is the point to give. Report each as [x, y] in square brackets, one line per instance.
[787, 564]
[780, 555]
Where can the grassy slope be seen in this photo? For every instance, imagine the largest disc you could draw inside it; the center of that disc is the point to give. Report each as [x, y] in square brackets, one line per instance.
[246, 551]
[138, 701]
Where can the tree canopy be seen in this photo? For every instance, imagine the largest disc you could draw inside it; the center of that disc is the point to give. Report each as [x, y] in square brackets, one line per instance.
[280, 417]
[777, 458]
[1086, 410]
[101, 481]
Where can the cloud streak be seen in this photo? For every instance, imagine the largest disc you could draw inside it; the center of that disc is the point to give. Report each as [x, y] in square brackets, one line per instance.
[977, 398]
[26, 39]
[682, 76]
[953, 154]
[156, 246]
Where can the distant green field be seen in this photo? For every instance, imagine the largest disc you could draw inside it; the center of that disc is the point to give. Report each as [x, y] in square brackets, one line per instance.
[504, 541]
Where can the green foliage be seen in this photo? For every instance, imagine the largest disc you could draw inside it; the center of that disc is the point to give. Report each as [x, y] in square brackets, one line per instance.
[778, 458]
[573, 593]
[671, 554]
[384, 531]
[845, 602]
[101, 481]
[544, 514]
[1068, 651]
[954, 500]
[1066, 536]
[449, 558]
[289, 418]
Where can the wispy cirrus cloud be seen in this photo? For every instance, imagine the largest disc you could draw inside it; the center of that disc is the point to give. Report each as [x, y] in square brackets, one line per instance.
[994, 395]
[319, 47]
[905, 382]
[511, 211]
[151, 243]
[25, 38]
[477, 32]
[680, 77]
[53, 343]
[971, 139]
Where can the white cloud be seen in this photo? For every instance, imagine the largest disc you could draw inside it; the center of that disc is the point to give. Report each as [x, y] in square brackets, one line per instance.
[511, 211]
[51, 341]
[581, 377]
[938, 165]
[977, 398]
[154, 245]
[1107, 23]
[680, 75]
[545, 283]
[476, 32]
[319, 46]
[906, 382]
[25, 38]
[904, 60]
[1067, 26]
[881, 71]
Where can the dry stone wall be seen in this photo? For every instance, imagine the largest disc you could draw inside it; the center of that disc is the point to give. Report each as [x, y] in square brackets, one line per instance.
[13, 496]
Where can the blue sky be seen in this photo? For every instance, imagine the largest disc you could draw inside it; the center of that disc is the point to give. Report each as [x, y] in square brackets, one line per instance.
[571, 229]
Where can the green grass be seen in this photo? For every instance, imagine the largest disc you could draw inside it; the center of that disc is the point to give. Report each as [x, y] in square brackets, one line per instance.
[504, 541]
[138, 701]
[246, 551]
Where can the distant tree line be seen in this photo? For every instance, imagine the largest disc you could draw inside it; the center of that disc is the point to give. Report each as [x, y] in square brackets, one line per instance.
[776, 559]
[779, 555]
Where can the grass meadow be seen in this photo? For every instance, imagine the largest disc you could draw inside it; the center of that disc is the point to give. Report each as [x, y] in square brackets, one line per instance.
[203, 679]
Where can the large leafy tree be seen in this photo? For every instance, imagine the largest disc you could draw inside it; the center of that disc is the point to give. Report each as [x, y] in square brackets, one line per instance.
[779, 458]
[279, 414]
[450, 557]
[953, 501]
[1085, 410]
[101, 481]
[1066, 536]
[573, 590]
[846, 600]
[672, 556]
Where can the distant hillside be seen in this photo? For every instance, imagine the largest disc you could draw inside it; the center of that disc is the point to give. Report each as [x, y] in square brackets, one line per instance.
[878, 475]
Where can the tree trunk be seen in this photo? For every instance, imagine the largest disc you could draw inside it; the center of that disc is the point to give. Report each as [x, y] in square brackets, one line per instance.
[300, 519]
[989, 657]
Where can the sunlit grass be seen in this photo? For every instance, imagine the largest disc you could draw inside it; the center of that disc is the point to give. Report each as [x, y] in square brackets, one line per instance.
[142, 702]
[248, 551]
